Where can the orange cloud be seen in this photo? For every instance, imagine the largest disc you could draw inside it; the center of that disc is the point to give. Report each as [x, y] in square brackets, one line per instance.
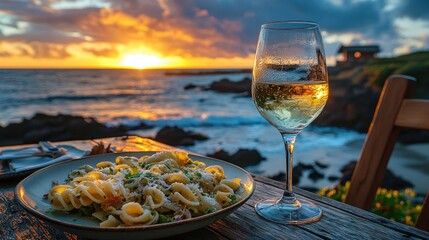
[196, 32]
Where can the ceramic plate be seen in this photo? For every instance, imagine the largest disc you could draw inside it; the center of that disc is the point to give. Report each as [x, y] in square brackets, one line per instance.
[30, 193]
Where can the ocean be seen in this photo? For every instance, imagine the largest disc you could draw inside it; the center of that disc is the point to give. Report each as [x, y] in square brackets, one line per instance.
[130, 97]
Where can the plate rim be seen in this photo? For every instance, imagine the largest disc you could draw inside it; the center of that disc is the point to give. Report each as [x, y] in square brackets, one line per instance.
[130, 228]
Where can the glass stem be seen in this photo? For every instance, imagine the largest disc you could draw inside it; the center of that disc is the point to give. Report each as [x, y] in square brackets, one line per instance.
[289, 141]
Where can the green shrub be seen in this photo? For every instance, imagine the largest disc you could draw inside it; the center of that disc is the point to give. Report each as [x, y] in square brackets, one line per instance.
[378, 74]
[415, 65]
[421, 72]
[391, 204]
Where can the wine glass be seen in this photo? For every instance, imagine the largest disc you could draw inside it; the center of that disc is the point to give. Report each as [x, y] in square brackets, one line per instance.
[289, 89]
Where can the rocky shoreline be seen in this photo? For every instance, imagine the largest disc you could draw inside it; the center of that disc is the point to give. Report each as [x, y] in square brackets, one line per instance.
[225, 85]
[61, 127]
[351, 104]
[316, 172]
[42, 127]
[67, 127]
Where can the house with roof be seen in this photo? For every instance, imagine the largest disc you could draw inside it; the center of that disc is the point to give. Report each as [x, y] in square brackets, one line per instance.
[356, 55]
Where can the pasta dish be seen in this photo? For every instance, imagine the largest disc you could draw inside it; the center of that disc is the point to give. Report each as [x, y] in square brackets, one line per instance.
[164, 187]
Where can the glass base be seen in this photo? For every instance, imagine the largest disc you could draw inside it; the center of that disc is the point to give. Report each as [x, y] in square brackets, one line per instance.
[299, 212]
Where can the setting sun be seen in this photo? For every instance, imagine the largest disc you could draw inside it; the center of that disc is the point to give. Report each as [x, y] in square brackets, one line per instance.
[142, 61]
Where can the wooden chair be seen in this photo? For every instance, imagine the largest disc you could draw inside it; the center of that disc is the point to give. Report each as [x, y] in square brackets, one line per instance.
[394, 111]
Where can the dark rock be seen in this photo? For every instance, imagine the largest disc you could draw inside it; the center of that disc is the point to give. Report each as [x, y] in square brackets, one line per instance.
[310, 189]
[410, 136]
[296, 174]
[242, 158]
[220, 154]
[315, 175]
[321, 165]
[227, 86]
[42, 127]
[176, 136]
[333, 178]
[198, 136]
[390, 181]
[305, 167]
[279, 177]
[247, 157]
[190, 86]
[141, 126]
[347, 171]
[185, 142]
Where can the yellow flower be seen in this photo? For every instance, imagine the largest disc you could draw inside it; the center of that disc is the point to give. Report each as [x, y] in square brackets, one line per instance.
[347, 186]
[323, 190]
[408, 220]
[331, 193]
[409, 192]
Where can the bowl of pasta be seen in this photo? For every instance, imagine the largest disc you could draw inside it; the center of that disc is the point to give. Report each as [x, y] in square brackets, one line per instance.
[144, 195]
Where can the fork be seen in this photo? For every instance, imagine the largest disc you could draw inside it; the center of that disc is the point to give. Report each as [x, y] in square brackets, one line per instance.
[47, 149]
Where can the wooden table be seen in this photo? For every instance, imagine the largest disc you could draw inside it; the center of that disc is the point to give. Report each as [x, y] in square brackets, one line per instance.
[339, 221]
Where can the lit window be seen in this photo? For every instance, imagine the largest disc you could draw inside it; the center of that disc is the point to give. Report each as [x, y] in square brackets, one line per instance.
[357, 54]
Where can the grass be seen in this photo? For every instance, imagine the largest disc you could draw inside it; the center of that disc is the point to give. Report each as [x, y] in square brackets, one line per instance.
[415, 65]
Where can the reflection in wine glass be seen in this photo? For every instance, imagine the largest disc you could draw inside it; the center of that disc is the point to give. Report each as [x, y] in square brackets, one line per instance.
[290, 89]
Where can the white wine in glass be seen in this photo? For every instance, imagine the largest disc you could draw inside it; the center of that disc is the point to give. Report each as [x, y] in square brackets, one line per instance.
[290, 89]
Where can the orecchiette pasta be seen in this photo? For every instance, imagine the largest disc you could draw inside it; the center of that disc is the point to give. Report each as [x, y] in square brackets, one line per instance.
[164, 187]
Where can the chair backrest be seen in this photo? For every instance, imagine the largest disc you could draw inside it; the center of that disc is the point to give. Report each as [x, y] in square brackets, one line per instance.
[394, 111]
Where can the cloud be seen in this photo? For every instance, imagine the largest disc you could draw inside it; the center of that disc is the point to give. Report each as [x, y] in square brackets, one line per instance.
[34, 50]
[416, 9]
[193, 28]
[109, 52]
[4, 53]
[42, 50]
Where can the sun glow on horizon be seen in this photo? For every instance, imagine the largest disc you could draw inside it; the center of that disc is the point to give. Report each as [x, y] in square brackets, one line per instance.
[143, 61]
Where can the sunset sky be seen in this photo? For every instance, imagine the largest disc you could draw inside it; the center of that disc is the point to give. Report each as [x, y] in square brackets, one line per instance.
[191, 33]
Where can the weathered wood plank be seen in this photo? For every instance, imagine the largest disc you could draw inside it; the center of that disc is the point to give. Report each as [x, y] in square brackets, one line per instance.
[414, 113]
[379, 143]
[342, 207]
[335, 224]
[423, 220]
[244, 223]
[16, 223]
[8, 185]
[203, 233]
